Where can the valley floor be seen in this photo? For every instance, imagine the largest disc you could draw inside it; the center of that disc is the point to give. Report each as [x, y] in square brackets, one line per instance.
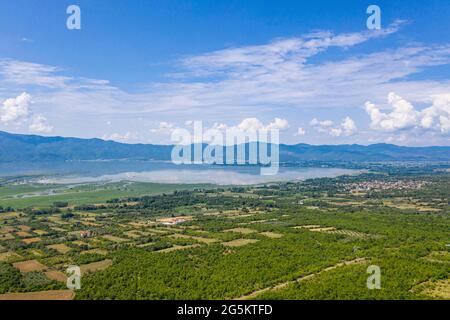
[316, 239]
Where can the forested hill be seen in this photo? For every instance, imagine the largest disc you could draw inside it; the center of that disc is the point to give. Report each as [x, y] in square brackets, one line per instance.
[18, 147]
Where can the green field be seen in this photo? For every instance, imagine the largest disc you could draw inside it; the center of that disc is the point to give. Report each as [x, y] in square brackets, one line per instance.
[305, 240]
[37, 195]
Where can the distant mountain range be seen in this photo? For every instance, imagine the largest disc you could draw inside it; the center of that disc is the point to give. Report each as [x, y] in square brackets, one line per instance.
[19, 147]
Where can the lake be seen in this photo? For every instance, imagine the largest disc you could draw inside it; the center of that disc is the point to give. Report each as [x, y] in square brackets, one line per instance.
[159, 172]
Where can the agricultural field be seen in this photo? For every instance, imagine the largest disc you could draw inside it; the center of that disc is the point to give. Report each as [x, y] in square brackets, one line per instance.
[21, 195]
[301, 240]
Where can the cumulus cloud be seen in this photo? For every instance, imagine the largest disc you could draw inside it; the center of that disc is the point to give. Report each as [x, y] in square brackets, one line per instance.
[346, 128]
[15, 108]
[402, 115]
[278, 124]
[40, 125]
[250, 124]
[445, 123]
[254, 124]
[335, 132]
[18, 109]
[248, 130]
[320, 124]
[438, 114]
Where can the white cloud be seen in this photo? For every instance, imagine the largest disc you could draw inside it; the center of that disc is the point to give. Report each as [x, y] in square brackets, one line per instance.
[445, 123]
[280, 52]
[15, 108]
[250, 124]
[251, 129]
[438, 113]
[27, 73]
[325, 123]
[18, 108]
[254, 124]
[403, 115]
[346, 128]
[125, 138]
[40, 125]
[278, 124]
[336, 132]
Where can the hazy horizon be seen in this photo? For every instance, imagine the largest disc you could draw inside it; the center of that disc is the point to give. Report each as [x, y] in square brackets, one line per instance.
[162, 144]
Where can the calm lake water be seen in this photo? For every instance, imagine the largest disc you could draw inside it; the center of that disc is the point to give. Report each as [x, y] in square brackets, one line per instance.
[159, 172]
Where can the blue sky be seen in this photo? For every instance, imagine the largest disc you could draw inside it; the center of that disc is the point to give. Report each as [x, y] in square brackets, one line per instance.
[137, 70]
